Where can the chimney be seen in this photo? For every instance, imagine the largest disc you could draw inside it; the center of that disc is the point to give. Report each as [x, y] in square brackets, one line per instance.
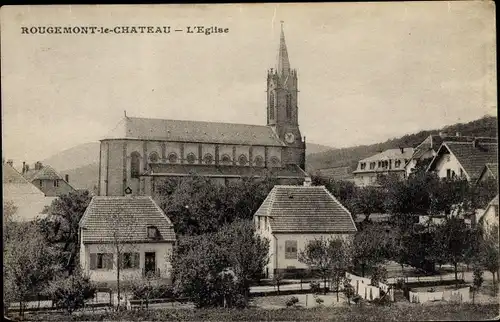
[307, 181]
[66, 177]
[24, 167]
[10, 162]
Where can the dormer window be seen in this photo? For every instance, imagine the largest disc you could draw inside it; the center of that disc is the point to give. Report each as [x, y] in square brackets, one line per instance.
[152, 232]
[363, 166]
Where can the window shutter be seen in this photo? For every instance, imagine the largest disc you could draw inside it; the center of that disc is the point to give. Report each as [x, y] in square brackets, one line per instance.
[121, 260]
[93, 261]
[136, 260]
[109, 261]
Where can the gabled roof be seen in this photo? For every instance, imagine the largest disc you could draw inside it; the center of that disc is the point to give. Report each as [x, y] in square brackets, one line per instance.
[489, 169]
[195, 131]
[305, 209]
[15, 186]
[10, 175]
[390, 154]
[162, 169]
[472, 159]
[130, 216]
[45, 173]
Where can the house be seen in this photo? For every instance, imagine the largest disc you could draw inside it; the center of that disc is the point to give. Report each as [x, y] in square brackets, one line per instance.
[45, 178]
[141, 153]
[490, 216]
[137, 226]
[391, 161]
[28, 199]
[290, 216]
[427, 149]
[489, 172]
[463, 159]
[336, 173]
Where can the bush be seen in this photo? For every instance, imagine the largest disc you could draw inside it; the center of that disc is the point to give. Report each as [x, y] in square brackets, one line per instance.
[319, 300]
[382, 301]
[145, 292]
[357, 299]
[292, 301]
[315, 287]
[70, 292]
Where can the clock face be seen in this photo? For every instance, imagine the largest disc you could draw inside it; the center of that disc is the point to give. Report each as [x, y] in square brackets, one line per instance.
[289, 137]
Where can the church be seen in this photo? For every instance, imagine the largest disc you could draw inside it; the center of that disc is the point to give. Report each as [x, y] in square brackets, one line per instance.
[141, 152]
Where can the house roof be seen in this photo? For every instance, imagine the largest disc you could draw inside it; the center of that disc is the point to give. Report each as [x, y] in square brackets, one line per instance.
[15, 185]
[472, 159]
[305, 209]
[162, 169]
[491, 168]
[45, 173]
[194, 131]
[130, 216]
[11, 175]
[390, 154]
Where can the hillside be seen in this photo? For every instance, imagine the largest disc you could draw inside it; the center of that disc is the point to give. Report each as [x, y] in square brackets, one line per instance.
[486, 126]
[84, 177]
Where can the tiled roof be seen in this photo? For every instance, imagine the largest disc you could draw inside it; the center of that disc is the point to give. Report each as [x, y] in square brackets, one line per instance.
[494, 201]
[10, 175]
[472, 159]
[195, 131]
[301, 209]
[129, 216]
[390, 154]
[339, 173]
[493, 167]
[45, 173]
[162, 169]
[437, 140]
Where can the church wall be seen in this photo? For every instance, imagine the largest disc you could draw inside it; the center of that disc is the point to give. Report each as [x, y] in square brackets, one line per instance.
[115, 168]
[242, 150]
[191, 148]
[273, 152]
[258, 151]
[103, 169]
[225, 149]
[208, 148]
[154, 146]
[173, 147]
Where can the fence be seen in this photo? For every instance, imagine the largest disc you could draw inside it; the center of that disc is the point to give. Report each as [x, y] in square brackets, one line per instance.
[460, 295]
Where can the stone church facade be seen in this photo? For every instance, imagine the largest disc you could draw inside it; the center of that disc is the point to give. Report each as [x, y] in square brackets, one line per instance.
[142, 152]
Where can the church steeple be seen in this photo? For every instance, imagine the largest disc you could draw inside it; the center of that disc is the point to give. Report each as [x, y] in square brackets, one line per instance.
[283, 66]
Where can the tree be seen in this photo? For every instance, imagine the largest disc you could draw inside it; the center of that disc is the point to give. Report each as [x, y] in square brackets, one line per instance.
[348, 290]
[369, 200]
[60, 227]
[317, 256]
[489, 252]
[340, 253]
[371, 246]
[69, 291]
[199, 261]
[477, 281]
[379, 275]
[29, 263]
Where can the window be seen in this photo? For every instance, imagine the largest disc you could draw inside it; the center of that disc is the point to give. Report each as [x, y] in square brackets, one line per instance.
[41, 184]
[191, 158]
[259, 161]
[363, 166]
[101, 261]
[275, 161]
[289, 106]
[291, 249]
[372, 165]
[462, 174]
[271, 106]
[56, 183]
[135, 164]
[153, 157]
[208, 158]
[129, 260]
[450, 174]
[172, 158]
[152, 232]
[397, 163]
[225, 159]
[242, 160]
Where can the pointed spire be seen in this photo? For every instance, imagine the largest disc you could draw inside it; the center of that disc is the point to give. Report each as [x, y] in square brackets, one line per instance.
[283, 67]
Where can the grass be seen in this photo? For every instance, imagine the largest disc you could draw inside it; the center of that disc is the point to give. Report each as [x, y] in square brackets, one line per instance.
[400, 312]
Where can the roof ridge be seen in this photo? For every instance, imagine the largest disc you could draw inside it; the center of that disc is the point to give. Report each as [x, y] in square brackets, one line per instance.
[195, 121]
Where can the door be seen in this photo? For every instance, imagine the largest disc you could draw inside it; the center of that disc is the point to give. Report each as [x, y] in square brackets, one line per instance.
[149, 263]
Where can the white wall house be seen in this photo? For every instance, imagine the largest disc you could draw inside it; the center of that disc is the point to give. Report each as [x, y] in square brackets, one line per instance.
[490, 215]
[144, 234]
[463, 159]
[291, 216]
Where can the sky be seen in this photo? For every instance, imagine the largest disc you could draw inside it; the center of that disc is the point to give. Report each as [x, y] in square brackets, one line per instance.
[367, 71]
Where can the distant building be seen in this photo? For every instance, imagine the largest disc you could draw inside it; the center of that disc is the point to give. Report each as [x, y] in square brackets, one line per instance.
[45, 178]
[337, 173]
[28, 199]
[143, 231]
[143, 152]
[489, 172]
[291, 216]
[427, 150]
[390, 161]
[463, 159]
[490, 216]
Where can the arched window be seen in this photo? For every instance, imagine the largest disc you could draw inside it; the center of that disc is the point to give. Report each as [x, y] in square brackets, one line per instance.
[135, 164]
[259, 161]
[172, 158]
[289, 106]
[225, 159]
[271, 106]
[208, 158]
[191, 158]
[275, 161]
[242, 160]
[153, 157]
